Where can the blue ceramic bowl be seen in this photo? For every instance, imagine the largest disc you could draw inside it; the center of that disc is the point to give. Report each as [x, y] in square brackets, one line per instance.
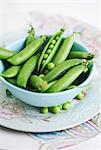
[44, 99]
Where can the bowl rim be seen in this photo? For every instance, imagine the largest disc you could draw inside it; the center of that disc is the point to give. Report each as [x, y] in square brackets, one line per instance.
[83, 84]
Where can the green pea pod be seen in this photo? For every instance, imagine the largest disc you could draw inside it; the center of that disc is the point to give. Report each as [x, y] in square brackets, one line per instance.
[49, 85]
[31, 35]
[55, 72]
[71, 87]
[67, 79]
[5, 54]
[11, 72]
[26, 71]
[51, 55]
[38, 83]
[64, 50]
[79, 54]
[12, 81]
[27, 52]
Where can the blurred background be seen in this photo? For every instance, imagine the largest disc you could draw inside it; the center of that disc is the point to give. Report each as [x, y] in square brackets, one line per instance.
[15, 14]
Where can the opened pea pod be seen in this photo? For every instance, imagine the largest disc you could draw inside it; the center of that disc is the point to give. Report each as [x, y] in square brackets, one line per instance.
[49, 51]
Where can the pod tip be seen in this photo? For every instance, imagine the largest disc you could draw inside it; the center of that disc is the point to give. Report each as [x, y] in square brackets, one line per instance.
[62, 29]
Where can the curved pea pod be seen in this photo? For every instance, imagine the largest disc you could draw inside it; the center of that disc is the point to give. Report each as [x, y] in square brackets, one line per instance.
[31, 35]
[59, 69]
[5, 54]
[64, 50]
[71, 87]
[38, 83]
[12, 81]
[67, 79]
[48, 86]
[79, 54]
[27, 52]
[54, 41]
[26, 71]
[11, 72]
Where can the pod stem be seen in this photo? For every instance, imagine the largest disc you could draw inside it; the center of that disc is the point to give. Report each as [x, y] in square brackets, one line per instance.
[76, 33]
[31, 30]
[91, 61]
[91, 56]
[86, 63]
[62, 29]
[44, 37]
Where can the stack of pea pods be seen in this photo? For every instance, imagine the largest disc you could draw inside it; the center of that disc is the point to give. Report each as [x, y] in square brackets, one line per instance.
[46, 65]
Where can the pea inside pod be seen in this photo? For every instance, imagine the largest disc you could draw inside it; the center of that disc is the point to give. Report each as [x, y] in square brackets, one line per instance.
[50, 49]
[5, 54]
[11, 72]
[26, 71]
[27, 52]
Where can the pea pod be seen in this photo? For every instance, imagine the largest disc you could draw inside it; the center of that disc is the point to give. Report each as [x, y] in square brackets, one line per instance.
[67, 79]
[55, 72]
[79, 54]
[31, 35]
[26, 71]
[64, 50]
[49, 50]
[11, 72]
[27, 52]
[38, 83]
[71, 87]
[12, 81]
[48, 86]
[5, 54]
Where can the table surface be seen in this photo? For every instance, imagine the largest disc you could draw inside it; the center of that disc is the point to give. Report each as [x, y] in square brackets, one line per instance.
[12, 140]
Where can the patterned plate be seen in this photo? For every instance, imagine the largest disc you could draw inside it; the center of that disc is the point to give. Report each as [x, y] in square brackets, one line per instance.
[16, 115]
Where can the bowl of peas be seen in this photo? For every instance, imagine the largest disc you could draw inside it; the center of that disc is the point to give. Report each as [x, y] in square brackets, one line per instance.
[46, 71]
